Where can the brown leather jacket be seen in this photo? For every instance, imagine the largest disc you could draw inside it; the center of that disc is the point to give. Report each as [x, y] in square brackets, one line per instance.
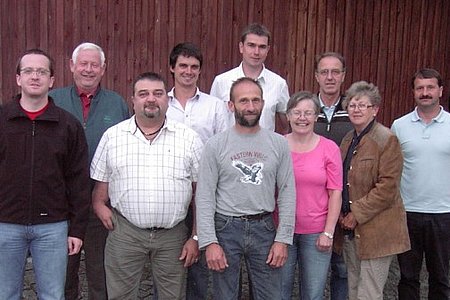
[376, 203]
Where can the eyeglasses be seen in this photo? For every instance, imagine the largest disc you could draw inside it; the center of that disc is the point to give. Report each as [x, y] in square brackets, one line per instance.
[360, 106]
[333, 72]
[307, 114]
[30, 71]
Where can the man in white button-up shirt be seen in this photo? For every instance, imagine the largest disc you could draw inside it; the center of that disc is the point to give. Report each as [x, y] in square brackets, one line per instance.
[147, 165]
[254, 47]
[207, 115]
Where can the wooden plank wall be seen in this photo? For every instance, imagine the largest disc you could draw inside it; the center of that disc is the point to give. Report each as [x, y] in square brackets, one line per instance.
[384, 41]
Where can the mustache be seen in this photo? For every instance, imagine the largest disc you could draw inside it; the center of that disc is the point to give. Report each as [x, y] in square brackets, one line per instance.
[426, 97]
[151, 105]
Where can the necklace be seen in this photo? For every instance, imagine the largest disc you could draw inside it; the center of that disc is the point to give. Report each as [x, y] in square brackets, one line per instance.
[150, 133]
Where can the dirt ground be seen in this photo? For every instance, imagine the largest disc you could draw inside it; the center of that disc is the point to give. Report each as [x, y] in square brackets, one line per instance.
[146, 288]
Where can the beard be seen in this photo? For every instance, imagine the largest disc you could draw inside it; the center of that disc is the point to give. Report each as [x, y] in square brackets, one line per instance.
[152, 114]
[241, 120]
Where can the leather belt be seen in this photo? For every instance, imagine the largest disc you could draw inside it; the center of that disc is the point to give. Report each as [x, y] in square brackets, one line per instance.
[257, 217]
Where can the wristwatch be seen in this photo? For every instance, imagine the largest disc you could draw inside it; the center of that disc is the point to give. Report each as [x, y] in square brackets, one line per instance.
[328, 235]
[194, 237]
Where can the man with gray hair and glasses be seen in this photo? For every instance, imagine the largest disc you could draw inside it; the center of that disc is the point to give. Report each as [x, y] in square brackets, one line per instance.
[333, 123]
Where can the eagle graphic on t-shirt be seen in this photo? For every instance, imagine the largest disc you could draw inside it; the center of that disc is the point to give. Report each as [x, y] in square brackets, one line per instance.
[252, 174]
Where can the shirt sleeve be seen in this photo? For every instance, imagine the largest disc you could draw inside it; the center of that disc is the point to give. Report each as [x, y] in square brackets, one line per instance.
[222, 117]
[197, 149]
[334, 168]
[205, 197]
[99, 169]
[286, 197]
[77, 179]
[283, 98]
[218, 91]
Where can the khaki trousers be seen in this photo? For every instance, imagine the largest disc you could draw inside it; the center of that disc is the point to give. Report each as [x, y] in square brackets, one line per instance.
[366, 278]
[127, 249]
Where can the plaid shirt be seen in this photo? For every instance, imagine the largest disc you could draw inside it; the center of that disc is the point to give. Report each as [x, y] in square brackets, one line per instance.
[149, 182]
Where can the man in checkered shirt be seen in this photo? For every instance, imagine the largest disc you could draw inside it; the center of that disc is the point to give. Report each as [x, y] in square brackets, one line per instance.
[148, 167]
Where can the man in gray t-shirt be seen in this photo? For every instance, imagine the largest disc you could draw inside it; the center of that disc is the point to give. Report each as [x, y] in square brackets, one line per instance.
[240, 172]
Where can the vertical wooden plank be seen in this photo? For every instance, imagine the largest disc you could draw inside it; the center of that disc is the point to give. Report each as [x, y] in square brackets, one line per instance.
[349, 39]
[310, 43]
[290, 51]
[320, 28]
[224, 33]
[239, 21]
[375, 39]
[131, 46]
[404, 100]
[281, 33]
[4, 6]
[181, 21]
[340, 26]
[391, 100]
[267, 18]
[43, 25]
[330, 25]
[444, 67]
[301, 45]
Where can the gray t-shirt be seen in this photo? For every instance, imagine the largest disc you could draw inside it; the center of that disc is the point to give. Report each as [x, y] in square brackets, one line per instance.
[239, 174]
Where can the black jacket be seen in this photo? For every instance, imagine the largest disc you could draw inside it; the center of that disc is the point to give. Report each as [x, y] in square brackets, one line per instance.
[44, 172]
[337, 128]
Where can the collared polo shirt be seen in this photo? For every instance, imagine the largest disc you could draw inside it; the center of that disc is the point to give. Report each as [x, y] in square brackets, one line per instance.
[149, 182]
[328, 110]
[275, 93]
[206, 114]
[425, 184]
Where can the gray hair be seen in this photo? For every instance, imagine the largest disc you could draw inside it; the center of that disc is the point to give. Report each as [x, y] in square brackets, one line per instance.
[89, 46]
[360, 89]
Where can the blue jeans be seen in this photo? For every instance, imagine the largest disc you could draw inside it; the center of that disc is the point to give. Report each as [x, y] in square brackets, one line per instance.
[47, 244]
[338, 279]
[251, 239]
[198, 279]
[313, 268]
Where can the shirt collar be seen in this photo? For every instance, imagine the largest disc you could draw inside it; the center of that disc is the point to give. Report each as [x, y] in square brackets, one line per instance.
[171, 94]
[88, 95]
[332, 106]
[133, 129]
[439, 118]
[261, 76]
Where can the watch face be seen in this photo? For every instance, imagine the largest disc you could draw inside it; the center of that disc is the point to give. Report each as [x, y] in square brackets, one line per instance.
[195, 238]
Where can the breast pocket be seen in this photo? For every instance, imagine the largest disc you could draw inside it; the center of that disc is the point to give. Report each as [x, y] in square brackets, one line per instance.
[175, 164]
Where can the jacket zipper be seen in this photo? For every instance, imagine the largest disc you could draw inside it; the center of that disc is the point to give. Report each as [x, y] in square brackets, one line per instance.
[33, 132]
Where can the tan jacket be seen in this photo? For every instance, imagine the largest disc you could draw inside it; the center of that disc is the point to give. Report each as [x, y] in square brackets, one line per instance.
[374, 179]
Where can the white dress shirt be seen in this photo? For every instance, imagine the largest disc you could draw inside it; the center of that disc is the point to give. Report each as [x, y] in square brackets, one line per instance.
[205, 114]
[275, 93]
